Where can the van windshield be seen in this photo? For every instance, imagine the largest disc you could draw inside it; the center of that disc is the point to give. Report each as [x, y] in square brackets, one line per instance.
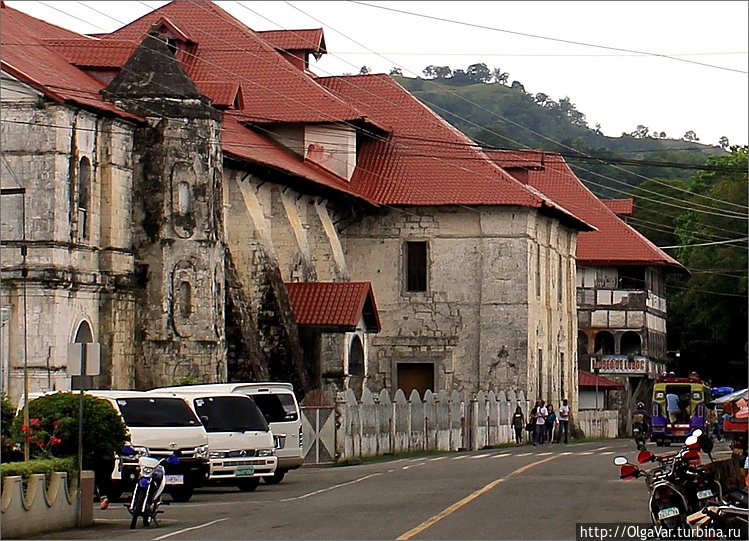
[150, 412]
[277, 408]
[229, 414]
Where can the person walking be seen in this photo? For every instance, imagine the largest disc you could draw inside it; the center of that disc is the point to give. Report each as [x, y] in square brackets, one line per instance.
[551, 424]
[518, 424]
[564, 420]
[541, 414]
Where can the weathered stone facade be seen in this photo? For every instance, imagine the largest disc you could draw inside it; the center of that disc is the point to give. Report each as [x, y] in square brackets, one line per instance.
[76, 169]
[495, 313]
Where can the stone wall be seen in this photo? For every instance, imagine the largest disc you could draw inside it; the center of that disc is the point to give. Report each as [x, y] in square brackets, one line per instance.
[380, 425]
[40, 509]
[499, 308]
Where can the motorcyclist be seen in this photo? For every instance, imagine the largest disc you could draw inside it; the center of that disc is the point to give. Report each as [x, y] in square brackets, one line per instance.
[641, 423]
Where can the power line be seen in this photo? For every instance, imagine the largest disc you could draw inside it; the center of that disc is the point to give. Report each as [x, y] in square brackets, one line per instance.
[536, 36]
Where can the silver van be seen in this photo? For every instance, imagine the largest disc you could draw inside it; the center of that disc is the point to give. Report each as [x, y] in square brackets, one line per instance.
[281, 410]
[241, 445]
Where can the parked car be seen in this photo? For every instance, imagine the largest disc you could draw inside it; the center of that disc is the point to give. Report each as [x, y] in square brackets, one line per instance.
[281, 411]
[240, 441]
[159, 425]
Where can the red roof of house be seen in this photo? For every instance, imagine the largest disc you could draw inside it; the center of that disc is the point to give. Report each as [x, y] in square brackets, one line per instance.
[620, 207]
[312, 40]
[425, 161]
[587, 379]
[227, 50]
[26, 57]
[86, 52]
[614, 242]
[334, 304]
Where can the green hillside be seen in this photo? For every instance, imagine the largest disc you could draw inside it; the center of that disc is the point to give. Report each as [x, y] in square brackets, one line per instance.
[507, 117]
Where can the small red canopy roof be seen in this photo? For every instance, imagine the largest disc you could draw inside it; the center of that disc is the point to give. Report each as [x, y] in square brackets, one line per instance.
[340, 305]
[587, 380]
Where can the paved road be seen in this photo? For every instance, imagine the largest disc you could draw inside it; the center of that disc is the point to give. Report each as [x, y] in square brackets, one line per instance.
[510, 493]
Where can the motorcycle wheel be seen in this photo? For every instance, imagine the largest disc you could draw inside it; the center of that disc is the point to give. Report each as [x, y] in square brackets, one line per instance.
[181, 493]
[137, 509]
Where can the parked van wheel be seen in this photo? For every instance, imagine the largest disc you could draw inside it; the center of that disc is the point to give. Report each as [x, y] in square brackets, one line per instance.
[248, 485]
[182, 493]
[276, 478]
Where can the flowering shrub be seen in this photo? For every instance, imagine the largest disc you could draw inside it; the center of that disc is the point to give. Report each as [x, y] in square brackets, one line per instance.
[53, 427]
[41, 442]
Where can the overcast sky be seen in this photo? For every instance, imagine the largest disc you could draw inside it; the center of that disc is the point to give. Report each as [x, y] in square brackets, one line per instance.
[670, 66]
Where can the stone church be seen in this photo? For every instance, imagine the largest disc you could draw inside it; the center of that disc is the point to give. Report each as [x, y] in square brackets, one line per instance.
[183, 198]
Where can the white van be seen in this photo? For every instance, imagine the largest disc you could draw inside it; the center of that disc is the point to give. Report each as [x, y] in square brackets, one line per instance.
[160, 424]
[239, 438]
[281, 410]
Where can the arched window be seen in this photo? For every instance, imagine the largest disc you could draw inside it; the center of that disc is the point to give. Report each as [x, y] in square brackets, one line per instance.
[631, 343]
[605, 344]
[83, 198]
[356, 358]
[184, 299]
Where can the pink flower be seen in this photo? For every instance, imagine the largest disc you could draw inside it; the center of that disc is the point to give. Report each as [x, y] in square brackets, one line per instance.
[25, 429]
[54, 440]
[35, 423]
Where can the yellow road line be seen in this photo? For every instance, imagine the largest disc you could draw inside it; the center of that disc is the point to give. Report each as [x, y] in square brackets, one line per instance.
[454, 507]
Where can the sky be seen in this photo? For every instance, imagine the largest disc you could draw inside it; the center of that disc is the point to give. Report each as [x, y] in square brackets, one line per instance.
[672, 67]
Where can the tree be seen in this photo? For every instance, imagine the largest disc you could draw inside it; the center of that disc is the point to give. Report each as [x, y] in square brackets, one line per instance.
[429, 72]
[443, 72]
[691, 136]
[708, 311]
[365, 70]
[500, 76]
[641, 132]
[394, 71]
[478, 73]
[517, 85]
[723, 142]
[541, 99]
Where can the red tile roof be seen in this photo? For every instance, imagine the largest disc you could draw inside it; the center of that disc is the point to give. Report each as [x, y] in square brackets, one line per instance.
[614, 243]
[587, 380]
[426, 161]
[221, 94]
[620, 207]
[334, 304]
[243, 143]
[312, 40]
[26, 57]
[93, 52]
[227, 50]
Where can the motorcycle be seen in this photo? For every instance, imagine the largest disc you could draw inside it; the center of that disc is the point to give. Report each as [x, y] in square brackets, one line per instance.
[722, 519]
[668, 503]
[640, 436]
[146, 499]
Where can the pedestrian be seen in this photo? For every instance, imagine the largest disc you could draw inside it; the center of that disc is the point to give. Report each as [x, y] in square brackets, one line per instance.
[564, 420]
[530, 427]
[551, 424]
[541, 413]
[103, 468]
[518, 423]
[672, 407]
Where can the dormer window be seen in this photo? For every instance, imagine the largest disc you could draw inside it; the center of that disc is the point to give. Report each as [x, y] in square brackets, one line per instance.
[173, 44]
[173, 36]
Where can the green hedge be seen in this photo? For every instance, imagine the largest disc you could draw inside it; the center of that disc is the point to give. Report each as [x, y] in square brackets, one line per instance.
[45, 466]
